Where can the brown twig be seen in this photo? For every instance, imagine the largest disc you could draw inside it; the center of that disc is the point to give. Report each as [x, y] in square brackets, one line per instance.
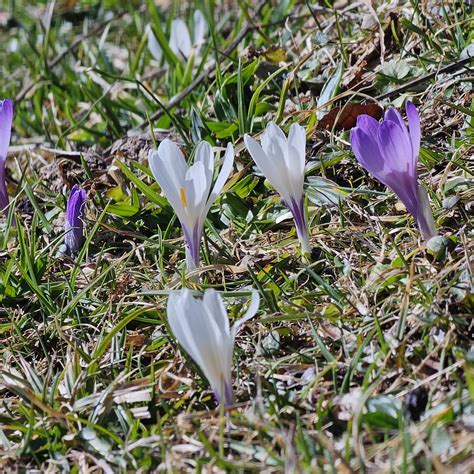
[208, 73]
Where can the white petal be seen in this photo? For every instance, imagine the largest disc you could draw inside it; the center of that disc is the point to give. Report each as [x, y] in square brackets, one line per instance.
[279, 157]
[178, 303]
[297, 139]
[251, 311]
[274, 170]
[200, 28]
[180, 41]
[169, 169]
[196, 188]
[153, 45]
[205, 155]
[215, 306]
[187, 321]
[174, 159]
[223, 175]
[163, 178]
[296, 171]
[197, 330]
[270, 132]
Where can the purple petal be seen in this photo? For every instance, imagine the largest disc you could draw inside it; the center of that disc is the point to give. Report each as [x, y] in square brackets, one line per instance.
[366, 150]
[6, 119]
[229, 397]
[392, 115]
[397, 155]
[193, 239]
[74, 225]
[368, 124]
[389, 151]
[3, 189]
[415, 129]
[299, 215]
[297, 209]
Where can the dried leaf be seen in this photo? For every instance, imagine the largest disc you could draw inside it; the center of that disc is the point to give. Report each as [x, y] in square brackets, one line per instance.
[275, 55]
[348, 117]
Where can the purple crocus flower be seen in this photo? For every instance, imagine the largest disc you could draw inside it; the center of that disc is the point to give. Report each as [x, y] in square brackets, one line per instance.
[74, 225]
[6, 118]
[389, 151]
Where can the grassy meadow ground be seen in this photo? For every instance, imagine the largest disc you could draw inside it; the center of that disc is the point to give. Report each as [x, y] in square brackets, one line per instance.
[358, 361]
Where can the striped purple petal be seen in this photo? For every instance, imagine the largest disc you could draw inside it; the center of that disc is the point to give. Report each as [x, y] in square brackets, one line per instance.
[74, 225]
[6, 119]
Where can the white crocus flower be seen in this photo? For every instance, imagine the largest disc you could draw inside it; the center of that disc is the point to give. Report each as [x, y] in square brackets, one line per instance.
[202, 328]
[180, 40]
[282, 161]
[188, 188]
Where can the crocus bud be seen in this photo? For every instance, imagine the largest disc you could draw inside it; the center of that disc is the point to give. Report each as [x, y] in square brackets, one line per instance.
[202, 328]
[6, 119]
[389, 151]
[74, 225]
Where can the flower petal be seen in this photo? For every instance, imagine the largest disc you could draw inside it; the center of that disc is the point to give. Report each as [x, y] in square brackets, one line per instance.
[169, 169]
[270, 132]
[369, 125]
[6, 119]
[74, 225]
[180, 41]
[278, 159]
[366, 150]
[393, 115]
[262, 160]
[250, 313]
[224, 173]
[215, 307]
[395, 146]
[179, 303]
[205, 155]
[200, 28]
[196, 187]
[199, 334]
[415, 128]
[153, 44]
[396, 150]
[297, 140]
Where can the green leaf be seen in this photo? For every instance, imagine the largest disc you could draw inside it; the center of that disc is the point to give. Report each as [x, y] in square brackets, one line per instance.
[440, 441]
[329, 91]
[324, 192]
[123, 210]
[383, 412]
[142, 186]
[395, 69]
